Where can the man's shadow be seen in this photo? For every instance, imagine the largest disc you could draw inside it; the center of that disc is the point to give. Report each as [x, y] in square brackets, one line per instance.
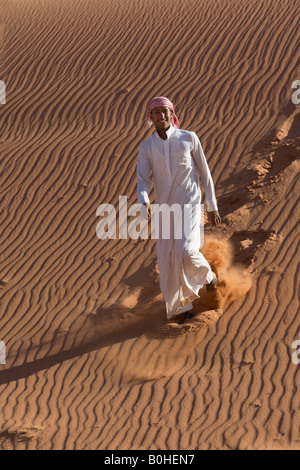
[109, 325]
[104, 327]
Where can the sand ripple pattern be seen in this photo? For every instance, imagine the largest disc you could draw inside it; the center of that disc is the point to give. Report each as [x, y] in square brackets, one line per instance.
[90, 364]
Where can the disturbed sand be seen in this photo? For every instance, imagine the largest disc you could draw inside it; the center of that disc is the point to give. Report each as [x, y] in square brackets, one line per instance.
[91, 361]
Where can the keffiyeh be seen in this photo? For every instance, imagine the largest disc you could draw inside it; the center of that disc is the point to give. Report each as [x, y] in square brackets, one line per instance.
[162, 102]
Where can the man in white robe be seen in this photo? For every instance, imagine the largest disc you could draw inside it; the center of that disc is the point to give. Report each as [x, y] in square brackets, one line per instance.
[175, 157]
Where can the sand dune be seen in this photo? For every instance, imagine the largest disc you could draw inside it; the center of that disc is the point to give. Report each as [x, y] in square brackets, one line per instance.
[91, 361]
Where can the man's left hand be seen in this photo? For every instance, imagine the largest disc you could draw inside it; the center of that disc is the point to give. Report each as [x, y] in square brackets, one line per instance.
[214, 218]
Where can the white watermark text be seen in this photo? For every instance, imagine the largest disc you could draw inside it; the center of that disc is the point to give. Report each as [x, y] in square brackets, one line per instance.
[2, 92]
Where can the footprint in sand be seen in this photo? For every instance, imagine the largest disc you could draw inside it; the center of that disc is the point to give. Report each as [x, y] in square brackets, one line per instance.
[25, 433]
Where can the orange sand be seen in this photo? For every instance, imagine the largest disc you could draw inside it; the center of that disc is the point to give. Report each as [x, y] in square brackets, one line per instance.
[92, 362]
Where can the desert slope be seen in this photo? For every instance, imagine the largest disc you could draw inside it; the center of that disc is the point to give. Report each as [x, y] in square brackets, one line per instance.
[91, 362]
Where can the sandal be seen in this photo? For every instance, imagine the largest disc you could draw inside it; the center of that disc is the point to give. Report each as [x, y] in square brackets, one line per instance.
[212, 295]
[187, 316]
[213, 284]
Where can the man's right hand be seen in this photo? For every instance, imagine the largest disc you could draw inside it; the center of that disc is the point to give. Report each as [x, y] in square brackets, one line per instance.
[214, 218]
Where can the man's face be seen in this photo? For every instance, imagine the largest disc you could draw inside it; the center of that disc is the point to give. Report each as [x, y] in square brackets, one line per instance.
[161, 118]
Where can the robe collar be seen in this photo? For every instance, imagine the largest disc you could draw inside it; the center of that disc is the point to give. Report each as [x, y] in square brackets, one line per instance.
[169, 132]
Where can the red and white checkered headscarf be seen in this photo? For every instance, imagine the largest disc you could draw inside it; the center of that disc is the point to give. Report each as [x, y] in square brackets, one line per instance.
[162, 102]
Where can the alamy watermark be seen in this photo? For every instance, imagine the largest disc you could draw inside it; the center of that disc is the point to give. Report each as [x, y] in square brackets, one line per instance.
[296, 94]
[167, 221]
[296, 354]
[2, 92]
[2, 353]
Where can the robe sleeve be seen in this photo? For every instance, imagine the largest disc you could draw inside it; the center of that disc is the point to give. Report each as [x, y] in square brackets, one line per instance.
[143, 176]
[205, 175]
